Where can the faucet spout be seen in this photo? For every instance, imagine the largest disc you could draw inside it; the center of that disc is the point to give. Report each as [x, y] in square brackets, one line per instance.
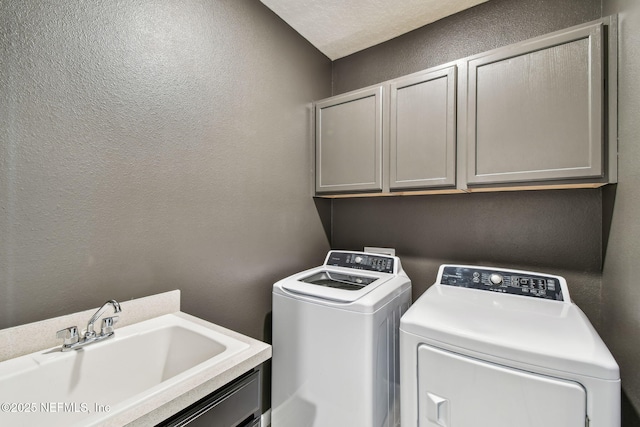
[116, 309]
[70, 335]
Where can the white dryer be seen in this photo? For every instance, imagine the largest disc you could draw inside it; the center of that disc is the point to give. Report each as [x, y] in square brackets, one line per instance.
[336, 343]
[503, 348]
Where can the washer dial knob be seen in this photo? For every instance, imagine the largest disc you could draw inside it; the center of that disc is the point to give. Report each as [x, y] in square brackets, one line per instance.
[495, 279]
[358, 259]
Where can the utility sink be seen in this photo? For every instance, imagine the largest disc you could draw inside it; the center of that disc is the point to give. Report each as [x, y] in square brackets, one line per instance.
[90, 386]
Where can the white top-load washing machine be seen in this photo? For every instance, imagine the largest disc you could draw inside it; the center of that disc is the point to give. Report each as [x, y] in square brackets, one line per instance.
[336, 343]
[489, 347]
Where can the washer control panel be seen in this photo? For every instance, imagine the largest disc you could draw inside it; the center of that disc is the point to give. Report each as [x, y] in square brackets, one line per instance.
[504, 281]
[361, 261]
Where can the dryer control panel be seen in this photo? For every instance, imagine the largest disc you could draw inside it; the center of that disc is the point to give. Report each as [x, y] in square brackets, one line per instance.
[504, 281]
[361, 261]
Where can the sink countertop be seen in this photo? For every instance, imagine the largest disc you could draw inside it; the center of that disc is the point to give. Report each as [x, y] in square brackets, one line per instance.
[172, 401]
[32, 337]
[26, 339]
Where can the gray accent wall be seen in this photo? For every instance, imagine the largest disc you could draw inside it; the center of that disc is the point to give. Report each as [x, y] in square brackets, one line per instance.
[620, 283]
[591, 236]
[487, 26]
[555, 231]
[148, 146]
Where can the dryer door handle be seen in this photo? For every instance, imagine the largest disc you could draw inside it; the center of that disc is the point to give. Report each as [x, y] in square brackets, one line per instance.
[438, 410]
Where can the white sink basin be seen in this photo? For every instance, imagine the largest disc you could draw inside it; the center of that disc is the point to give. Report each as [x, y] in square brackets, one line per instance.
[89, 386]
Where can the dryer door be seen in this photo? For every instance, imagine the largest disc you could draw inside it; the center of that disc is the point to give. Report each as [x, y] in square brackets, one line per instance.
[460, 391]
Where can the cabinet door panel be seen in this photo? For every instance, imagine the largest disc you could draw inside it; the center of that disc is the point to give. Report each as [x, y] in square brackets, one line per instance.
[535, 111]
[422, 130]
[349, 142]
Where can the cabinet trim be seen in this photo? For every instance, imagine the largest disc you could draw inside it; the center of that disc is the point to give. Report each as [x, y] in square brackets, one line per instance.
[491, 189]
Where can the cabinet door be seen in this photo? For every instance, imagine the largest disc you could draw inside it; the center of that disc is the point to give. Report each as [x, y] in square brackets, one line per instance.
[349, 142]
[535, 110]
[423, 130]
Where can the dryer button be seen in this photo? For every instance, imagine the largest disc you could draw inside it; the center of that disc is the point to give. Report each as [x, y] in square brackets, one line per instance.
[495, 279]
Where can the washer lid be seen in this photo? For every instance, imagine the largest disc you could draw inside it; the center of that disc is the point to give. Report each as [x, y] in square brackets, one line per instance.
[334, 279]
[336, 284]
[548, 334]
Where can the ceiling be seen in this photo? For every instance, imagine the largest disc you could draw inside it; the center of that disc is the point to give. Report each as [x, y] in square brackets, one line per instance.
[341, 27]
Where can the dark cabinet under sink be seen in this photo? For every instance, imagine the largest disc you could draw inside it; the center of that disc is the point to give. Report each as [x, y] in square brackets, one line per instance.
[235, 405]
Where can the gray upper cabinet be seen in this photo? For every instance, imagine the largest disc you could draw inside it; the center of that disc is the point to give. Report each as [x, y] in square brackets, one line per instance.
[349, 142]
[541, 113]
[535, 110]
[422, 139]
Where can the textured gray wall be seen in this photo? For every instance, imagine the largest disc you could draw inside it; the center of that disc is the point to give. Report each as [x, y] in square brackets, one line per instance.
[621, 287]
[154, 145]
[570, 232]
[487, 26]
[555, 231]
[550, 231]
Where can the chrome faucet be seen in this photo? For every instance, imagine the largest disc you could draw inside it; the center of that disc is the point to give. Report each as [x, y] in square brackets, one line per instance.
[72, 339]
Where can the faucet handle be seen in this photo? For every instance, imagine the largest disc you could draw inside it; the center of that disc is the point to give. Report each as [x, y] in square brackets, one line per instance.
[70, 335]
[107, 324]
